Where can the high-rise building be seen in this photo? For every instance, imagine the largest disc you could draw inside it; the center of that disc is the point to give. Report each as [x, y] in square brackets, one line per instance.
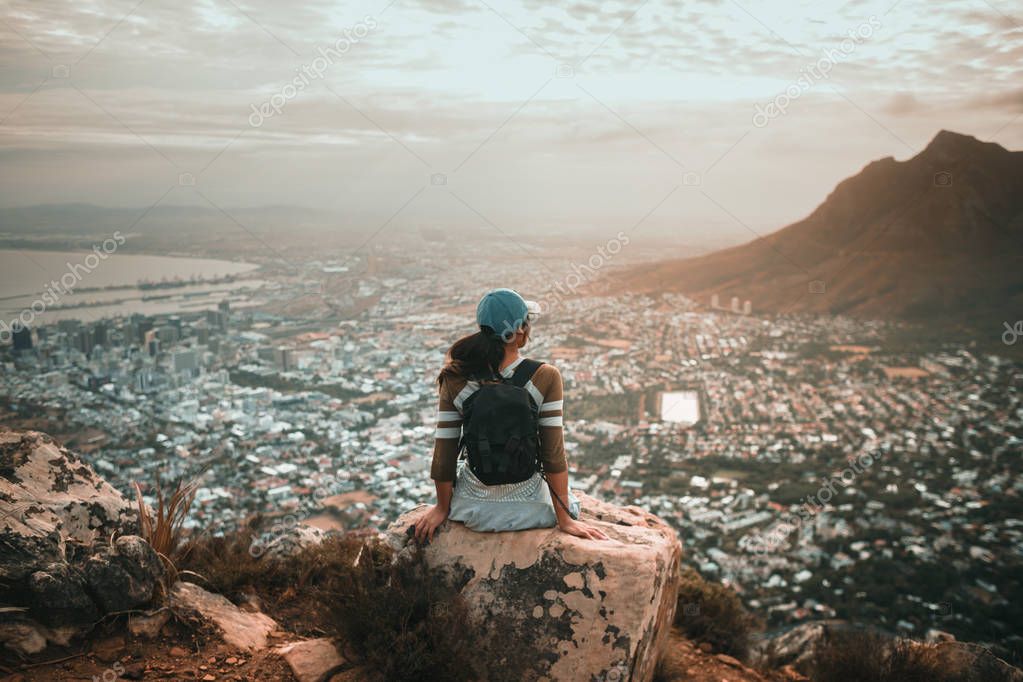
[100, 336]
[735, 304]
[22, 337]
[285, 358]
[83, 341]
[747, 308]
[169, 335]
[715, 301]
[186, 360]
[217, 319]
[68, 326]
[151, 343]
[145, 325]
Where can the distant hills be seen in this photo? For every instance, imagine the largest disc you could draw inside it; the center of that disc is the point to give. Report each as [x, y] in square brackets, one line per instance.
[80, 218]
[937, 235]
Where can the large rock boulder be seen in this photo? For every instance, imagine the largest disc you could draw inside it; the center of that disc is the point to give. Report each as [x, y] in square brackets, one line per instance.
[68, 554]
[550, 606]
[49, 498]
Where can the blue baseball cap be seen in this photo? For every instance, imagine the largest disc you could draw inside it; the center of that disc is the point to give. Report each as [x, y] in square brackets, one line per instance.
[505, 311]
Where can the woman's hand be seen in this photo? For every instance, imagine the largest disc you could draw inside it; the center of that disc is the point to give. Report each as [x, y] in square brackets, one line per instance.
[428, 522]
[581, 530]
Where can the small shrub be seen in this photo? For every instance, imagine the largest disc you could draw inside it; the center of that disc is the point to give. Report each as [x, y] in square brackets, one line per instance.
[712, 613]
[401, 619]
[858, 656]
[849, 656]
[226, 563]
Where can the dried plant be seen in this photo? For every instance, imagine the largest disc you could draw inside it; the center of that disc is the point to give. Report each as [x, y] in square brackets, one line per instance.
[710, 612]
[163, 527]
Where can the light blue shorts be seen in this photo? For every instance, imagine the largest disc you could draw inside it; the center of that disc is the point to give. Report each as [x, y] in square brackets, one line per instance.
[514, 506]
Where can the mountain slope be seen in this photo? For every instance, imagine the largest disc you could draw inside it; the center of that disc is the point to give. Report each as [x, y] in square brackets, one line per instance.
[939, 234]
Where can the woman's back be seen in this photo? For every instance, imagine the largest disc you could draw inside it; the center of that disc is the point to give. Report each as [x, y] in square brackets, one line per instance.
[547, 391]
[504, 320]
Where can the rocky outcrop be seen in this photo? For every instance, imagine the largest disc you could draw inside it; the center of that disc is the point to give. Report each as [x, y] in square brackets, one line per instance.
[551, 606]
[796, 647]
[44, 489]
[68, 556]
[312, 660]
[284, 543]
[241, 629]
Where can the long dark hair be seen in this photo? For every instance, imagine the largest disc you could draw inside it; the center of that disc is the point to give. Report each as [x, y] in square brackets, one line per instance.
[475, 355]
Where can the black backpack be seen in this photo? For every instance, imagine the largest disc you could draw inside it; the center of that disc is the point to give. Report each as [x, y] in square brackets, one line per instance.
[501, 428]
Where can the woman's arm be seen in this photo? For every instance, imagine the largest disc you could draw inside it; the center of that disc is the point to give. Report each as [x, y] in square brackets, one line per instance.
[547, 381]
[442, 470]
[559, 487]
[428, 522]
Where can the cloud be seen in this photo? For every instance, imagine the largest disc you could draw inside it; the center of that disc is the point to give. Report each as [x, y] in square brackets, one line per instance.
[1010, 100]
[446, 77]
[902, 104]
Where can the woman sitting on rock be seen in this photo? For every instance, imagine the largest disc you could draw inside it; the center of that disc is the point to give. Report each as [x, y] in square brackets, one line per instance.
[505, 412]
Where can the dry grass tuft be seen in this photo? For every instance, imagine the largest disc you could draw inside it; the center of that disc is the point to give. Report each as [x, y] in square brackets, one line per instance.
[227, 565]
[712, 613]
[402, 620]
[859, 656]
[163, 528]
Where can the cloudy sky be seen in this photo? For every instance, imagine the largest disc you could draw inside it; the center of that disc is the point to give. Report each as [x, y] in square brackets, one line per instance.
[523, 114]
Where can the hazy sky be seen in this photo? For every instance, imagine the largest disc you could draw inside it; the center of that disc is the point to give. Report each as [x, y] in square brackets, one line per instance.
[538, 116]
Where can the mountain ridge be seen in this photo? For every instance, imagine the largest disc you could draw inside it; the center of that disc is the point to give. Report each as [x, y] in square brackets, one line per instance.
[936, 234]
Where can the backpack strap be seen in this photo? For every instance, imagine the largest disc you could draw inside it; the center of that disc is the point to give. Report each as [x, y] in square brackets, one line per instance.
[524, 372]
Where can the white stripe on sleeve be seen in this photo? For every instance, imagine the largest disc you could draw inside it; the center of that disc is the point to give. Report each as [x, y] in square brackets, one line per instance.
[552, 406]
[448, 416]
[449, 432]
[551, 421]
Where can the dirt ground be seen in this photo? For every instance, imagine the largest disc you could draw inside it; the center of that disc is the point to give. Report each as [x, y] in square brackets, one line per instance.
[686, 662]
[176, 654]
